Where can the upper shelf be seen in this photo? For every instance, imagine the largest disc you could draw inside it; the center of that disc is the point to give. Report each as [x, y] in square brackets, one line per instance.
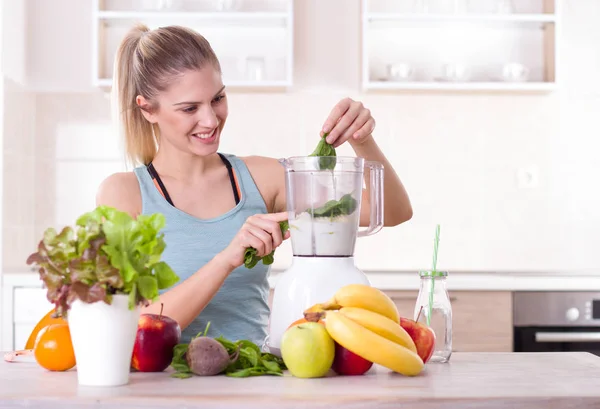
[191, 15]
[476, 18]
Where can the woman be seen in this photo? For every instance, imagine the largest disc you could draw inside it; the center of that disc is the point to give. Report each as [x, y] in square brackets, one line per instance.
[173, 108]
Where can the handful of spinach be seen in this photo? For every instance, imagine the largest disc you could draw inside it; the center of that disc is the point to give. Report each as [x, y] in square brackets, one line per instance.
[326, 152]
[333, 208]
[250, 257]
[248, 361]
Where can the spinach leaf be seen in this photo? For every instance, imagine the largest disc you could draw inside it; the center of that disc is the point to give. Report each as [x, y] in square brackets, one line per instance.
[326, 153]
[250, 257]
[250, 360]
[333, 208]
[179, 362]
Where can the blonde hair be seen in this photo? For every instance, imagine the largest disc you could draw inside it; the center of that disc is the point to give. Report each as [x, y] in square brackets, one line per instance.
[145, 63]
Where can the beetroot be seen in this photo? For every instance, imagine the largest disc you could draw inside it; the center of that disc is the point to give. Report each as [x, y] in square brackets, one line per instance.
[206, 356]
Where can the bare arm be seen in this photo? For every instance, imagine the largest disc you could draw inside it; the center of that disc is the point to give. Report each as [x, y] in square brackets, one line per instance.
[186, 300]
[396, 204]
[350, 121]
[269, 176]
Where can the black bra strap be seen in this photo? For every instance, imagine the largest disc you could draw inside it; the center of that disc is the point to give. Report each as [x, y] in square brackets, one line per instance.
[231, 178]
[156, 177]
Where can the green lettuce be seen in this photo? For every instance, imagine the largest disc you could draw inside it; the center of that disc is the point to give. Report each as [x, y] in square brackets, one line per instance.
[107, 253]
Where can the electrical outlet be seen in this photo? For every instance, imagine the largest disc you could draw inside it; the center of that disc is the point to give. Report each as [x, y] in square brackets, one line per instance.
[528, 177]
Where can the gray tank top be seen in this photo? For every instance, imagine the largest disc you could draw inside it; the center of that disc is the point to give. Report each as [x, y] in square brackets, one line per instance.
[239, 310]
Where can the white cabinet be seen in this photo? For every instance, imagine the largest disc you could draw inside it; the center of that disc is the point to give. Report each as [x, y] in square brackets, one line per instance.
[24, 303]
[252, 39]
[461, 45]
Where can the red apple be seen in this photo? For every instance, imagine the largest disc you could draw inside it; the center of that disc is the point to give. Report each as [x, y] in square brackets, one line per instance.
[156, 337]
[422, 335]
[346, 362]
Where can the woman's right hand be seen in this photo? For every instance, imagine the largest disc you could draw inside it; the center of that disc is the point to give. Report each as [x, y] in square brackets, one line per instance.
[260, 231]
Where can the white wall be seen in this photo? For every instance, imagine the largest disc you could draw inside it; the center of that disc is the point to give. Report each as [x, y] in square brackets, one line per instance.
[457, 154]
[18, 224]
[14, 40]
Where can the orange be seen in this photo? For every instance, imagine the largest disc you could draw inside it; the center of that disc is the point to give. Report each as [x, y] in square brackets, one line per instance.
[53, 348]
[44, 322]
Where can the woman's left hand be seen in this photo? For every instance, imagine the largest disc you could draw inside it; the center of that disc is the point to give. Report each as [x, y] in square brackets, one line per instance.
[349, 121]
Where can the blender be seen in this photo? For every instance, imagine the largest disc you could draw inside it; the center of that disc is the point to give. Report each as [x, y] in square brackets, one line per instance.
[324, 206]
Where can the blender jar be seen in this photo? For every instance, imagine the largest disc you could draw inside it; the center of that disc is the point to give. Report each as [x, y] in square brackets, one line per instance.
[324, 204]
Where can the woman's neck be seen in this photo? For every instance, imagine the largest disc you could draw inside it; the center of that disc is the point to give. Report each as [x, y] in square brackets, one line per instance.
[184, 167]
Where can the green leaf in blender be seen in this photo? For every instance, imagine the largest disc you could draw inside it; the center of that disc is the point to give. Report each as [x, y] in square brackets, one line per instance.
[326, 153]
[345, 206]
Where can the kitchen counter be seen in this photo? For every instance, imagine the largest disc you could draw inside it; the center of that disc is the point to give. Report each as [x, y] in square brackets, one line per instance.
[470, 380]
[406, 280]
[489, 281]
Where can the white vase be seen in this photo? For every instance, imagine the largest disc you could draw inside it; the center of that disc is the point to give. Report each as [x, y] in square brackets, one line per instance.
[103, 337]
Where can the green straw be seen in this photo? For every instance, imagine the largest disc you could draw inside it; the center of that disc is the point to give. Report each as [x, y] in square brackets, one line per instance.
[435, 252]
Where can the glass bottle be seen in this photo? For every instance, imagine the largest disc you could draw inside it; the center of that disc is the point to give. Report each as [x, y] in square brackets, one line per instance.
[441, 312]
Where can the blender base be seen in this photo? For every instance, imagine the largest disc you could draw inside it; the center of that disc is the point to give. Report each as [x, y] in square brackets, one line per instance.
[308, 281]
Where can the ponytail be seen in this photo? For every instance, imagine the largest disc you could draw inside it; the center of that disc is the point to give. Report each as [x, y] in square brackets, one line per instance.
[140, 142]
[145, 63]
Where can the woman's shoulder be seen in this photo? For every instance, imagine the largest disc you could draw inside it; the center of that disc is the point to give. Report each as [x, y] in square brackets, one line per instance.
[267, 173]
[261, 162]
[262, 166]
[121, 190]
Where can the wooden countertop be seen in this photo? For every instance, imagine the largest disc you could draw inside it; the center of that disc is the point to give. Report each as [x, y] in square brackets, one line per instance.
[470, 380]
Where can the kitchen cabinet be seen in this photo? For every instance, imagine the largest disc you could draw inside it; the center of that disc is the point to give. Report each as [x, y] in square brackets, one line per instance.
[481, 320]
[23, 304]
[460, 45]
[253, 40]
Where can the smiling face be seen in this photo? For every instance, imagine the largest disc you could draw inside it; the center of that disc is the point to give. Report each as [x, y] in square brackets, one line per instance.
[191, 112]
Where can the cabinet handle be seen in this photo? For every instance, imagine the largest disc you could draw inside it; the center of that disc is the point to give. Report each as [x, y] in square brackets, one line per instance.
[567, 336]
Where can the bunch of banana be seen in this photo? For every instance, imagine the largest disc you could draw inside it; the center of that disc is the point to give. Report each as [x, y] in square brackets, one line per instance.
[365, 321]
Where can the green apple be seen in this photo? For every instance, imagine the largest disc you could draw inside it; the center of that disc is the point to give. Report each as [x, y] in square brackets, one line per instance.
[307, 350]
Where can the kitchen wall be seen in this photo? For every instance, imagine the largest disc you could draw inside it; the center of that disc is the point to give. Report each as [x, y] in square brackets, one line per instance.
[458, 154]
[19, 205]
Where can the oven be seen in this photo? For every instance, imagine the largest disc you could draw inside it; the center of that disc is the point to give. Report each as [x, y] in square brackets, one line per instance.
[549, 321]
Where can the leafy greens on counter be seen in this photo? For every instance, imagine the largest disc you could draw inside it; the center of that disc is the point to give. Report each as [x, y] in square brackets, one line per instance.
[246, 360]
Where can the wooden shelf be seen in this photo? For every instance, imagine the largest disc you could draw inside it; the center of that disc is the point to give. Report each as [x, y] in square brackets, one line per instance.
[198, 16]
[460, 18]
[461, 86]
[107, 83]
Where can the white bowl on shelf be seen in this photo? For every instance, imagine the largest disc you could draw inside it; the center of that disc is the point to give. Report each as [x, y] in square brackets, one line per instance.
[514, 72]
[454, 73]
[400, 72]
